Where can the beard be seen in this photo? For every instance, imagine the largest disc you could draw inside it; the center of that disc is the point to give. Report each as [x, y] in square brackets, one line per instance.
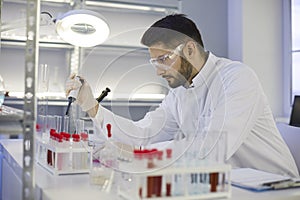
[183, 75]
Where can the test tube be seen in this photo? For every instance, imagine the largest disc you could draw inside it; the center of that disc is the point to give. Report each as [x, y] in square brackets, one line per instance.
[58, 122]
[49, 124]
[59, 162]
[222, 182]
[158, 179]
[43, 86]
[39, 126]
[66, 165]
[168, 176]
[177, 181]
[139, 157]
[76, 159]
[79, 126]
[84, 154]
[41, 151]
[204, 183]
[66, 124]
[44, 78]
[150, 179]
[214, 179]
[50, 131]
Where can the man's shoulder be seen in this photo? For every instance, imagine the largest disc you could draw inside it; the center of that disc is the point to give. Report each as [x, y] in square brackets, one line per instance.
[226, 66]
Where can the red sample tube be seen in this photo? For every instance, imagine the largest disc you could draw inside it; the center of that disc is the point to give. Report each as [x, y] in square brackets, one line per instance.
[50, 161]
[214, 179]
[168, 177]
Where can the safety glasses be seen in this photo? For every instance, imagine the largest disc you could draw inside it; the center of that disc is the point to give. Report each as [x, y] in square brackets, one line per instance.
[165, 62]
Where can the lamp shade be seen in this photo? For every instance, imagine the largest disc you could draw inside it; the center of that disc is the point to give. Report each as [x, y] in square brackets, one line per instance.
[83, 28]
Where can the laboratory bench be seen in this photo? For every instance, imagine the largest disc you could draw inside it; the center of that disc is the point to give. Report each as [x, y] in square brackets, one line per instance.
[78, 187]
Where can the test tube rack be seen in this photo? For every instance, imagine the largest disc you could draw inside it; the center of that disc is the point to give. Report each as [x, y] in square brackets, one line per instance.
[63, 160]
[222, 188]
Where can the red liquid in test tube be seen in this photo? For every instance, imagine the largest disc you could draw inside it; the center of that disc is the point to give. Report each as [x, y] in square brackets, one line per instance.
[168, 177]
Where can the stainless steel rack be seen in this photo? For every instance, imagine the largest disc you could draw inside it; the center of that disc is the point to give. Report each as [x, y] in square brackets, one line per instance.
[15, 121]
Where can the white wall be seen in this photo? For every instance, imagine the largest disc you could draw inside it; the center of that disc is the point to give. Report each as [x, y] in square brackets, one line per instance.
[250, 31]
[255, 37]
[245, 30]
[210, 17]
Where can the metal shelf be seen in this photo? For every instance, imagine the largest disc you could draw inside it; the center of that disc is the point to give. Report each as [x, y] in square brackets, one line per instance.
[150, 6]
[24, 121]
[11, 120]
[105, 102]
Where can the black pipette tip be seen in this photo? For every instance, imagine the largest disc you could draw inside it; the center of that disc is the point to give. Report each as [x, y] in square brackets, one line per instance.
[70, 101]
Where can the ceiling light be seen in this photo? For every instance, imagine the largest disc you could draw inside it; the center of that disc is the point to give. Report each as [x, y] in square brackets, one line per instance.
[83, 28]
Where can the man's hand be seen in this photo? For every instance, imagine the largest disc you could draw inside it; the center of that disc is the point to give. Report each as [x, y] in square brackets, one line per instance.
[85, 98]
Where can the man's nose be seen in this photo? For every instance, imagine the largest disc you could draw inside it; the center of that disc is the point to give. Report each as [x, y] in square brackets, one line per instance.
[160, 71]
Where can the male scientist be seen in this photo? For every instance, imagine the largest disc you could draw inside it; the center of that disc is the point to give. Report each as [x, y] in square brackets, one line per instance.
[206, 93]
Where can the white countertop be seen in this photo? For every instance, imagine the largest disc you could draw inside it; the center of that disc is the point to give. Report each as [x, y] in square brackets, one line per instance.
[77, 187]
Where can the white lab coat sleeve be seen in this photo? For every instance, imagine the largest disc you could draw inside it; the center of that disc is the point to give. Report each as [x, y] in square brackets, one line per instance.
[156, 126]
[236, 102]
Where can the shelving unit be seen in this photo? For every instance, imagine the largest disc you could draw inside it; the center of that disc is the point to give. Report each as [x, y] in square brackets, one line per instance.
[10, 120]
[25, 121]
[123, 38]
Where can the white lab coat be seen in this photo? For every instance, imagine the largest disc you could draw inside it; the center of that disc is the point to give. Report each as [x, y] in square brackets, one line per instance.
[225, 96]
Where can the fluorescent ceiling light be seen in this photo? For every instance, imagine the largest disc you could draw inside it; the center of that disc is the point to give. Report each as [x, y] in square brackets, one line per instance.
[83, 28]
[124, 5]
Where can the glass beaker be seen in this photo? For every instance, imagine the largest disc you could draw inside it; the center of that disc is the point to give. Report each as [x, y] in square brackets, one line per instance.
[101, 176]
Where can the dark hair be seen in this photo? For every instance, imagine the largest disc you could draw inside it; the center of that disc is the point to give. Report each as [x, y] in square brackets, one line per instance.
[171, 31]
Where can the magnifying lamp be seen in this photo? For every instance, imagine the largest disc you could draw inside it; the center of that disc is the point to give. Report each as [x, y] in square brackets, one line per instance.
[83, 28]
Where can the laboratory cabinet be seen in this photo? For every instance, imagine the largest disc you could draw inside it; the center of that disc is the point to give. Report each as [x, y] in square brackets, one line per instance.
[11, 174]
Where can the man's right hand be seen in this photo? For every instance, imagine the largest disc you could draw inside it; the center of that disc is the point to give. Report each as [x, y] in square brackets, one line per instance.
[85, 98]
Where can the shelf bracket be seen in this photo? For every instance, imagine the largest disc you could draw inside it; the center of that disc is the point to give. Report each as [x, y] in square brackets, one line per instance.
[30, 101]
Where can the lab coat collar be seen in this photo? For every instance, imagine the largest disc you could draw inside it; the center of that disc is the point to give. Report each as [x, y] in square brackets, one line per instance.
[204, 74]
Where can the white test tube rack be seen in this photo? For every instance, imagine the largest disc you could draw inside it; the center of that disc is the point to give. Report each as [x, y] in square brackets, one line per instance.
[70, 152]
[133, 191]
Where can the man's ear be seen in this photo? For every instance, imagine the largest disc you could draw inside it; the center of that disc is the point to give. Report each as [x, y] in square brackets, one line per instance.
[189, 49]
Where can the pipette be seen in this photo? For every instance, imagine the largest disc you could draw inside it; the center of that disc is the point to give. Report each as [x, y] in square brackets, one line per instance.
[103, 94]
[73, 95]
